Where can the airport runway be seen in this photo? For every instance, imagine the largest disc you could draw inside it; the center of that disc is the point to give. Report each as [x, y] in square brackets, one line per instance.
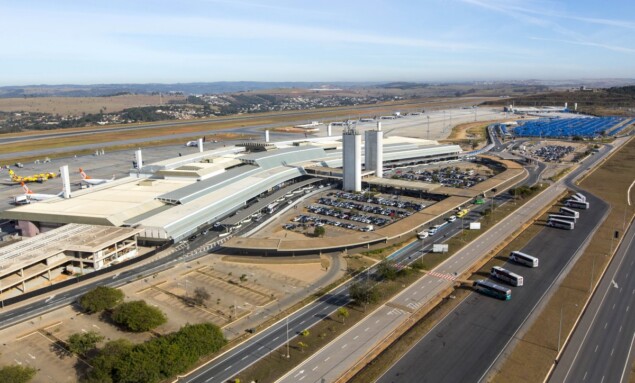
[601, 347]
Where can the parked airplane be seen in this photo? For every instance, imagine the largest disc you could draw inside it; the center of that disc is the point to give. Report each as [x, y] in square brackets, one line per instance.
[32, 178]
[29, 196]
[94, 181]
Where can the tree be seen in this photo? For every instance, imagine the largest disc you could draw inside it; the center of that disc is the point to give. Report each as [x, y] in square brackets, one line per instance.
[387, 270]
[100, 299]
[342, 312]
[319, 231]
[82, 342]
[200, 296]
[243, 278]
[364, 292]
[138, 316]
[302, 346]
[16, 374]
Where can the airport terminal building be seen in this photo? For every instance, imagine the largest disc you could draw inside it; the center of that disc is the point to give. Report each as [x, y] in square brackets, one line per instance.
[172, 199]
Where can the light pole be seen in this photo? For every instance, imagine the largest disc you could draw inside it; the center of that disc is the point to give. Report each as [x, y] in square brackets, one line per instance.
[560, 328]
[288, 355]
[428, 127]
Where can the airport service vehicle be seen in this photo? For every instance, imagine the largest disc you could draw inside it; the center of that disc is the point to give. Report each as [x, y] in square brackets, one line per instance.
[272, 207]
[32, 178]
[571, 212]
[29, 196]
[562, 217]
[422, 234]
[462, 213]
[492, 289]
[560, 224]
[577, 204]
[506, 276]
[479, 201]
[94, 181]
[523, 259]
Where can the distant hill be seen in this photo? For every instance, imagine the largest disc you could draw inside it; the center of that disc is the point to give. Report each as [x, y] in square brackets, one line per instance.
[104, 90]
[403, 85]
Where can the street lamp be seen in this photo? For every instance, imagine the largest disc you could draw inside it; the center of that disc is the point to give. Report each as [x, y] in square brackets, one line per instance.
[288, 355]
[560, 328]
[428, 127]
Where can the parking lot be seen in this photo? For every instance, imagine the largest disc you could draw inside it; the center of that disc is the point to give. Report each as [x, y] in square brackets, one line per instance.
[344, 213]
[464, 175]
[553, 153]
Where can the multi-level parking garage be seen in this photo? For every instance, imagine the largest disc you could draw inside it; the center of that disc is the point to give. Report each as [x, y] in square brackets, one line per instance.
[172, 199]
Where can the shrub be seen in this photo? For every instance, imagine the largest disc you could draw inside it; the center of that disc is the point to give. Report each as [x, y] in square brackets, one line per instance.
[100, 299]
[138, 316]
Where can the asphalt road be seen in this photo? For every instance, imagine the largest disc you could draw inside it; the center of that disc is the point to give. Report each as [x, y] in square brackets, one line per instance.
[465, 344]
[601, 348]
[462, 346]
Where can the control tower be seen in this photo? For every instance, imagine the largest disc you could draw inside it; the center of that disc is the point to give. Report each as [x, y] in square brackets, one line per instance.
[352, 159]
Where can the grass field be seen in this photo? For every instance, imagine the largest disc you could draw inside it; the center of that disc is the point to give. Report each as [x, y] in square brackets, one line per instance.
[534, 354]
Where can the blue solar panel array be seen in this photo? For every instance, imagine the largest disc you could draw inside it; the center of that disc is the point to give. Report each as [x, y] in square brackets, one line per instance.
[568, 127]
[620, 128]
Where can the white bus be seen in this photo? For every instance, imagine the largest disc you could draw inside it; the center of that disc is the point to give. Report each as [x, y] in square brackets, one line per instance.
[560, 224]
[523, 259]
[571, 212]
[506, 276]
[580, 196]
[568, 218]
[577, 204]
[272, 207]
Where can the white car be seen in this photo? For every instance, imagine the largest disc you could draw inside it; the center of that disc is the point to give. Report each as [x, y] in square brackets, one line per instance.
[451, 218]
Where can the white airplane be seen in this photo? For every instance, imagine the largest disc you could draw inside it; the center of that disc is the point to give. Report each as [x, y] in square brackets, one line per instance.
[29, 196]
[94, 181]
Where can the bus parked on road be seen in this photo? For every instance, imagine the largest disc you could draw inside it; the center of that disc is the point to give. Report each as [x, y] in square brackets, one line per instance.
[576, 204]
[506, 276]
[523, 259]
[571, 212]
[562, 217]
[580, 197]
[560, 224]
[492, 289]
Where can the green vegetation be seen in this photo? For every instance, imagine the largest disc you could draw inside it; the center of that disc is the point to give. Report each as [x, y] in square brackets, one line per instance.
[16, 374]
[138, 316]
[387, 270]
[364, 292]
[523, 191]
[343, 313]
[100, 299]
[82, 342]
[157, 359]
[319, 231]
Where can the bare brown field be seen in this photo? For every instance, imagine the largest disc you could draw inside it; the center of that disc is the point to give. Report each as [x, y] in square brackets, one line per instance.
[78, 105]
[535, 352]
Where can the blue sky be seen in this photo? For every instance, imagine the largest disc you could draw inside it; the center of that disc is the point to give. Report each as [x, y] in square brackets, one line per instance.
[82, 42]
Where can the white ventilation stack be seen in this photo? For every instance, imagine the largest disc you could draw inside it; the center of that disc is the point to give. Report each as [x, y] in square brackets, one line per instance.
[139, 158]
[373, 151]
[566, 104]
[200, 145]
[575, 106]
[66, 181]
[266, 135]
[352, 164]
[329, 130]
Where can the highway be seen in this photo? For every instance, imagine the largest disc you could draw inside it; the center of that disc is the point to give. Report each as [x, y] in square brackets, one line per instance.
[601, 347]
[465, 343]
[471, 339]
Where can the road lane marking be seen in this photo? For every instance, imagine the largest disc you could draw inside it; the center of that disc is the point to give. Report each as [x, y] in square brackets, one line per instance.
[356, 336]
[585, 372]
[605, 325]
[303, 376]
[344, 346]
[315, 368]
[596, 348]
[627, 307]
[613, 349]
[327, 359]
[302, 321]
[367, 328]
[276, 338]
[377, 321]
[261, 347]
[613, 306]
[228, 368]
